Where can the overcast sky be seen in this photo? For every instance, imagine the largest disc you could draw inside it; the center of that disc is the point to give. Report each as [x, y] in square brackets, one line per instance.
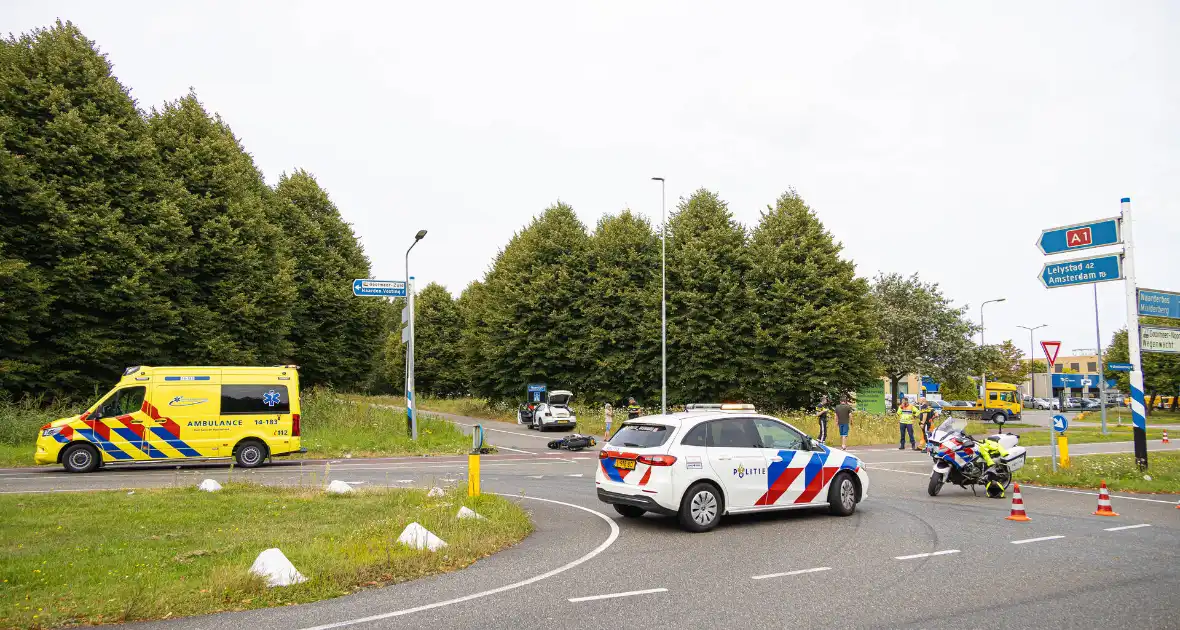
[936, 137]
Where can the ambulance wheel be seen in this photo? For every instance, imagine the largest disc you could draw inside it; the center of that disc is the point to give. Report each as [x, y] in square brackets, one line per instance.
[630, 511]
[701, 507]
[80, 458]
[250, 453]
[842, 495]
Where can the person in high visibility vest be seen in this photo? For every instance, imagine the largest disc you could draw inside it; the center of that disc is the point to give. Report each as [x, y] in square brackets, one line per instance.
[925, 416]
[905, 420]
[822, 412]
[633, 409]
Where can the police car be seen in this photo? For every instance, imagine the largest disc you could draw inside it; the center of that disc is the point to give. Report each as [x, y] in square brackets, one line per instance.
[713, 460]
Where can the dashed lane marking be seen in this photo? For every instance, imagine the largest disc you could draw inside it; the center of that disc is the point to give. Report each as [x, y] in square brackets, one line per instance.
[1033, 540]
[1119, 529]
[799, 572]
[610, 540]
[615, 595]
[927, 555]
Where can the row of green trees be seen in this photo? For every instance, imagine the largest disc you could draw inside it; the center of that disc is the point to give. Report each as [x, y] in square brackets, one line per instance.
[773, 315]
[133, 237]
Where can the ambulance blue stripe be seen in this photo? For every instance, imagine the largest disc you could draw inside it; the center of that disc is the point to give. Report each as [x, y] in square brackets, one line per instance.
[179, 445]
[186, 378]
[129, 435]
[110, 449]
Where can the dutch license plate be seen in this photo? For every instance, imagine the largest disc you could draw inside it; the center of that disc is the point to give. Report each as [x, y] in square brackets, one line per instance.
[625, 464]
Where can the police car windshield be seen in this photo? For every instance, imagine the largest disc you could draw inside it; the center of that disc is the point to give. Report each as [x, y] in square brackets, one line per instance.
[641, 435]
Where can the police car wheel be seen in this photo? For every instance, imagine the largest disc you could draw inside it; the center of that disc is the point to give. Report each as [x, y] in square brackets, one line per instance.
[842, 495]
[701, 508]
[630, 511]
[80, 458]
[250, 454]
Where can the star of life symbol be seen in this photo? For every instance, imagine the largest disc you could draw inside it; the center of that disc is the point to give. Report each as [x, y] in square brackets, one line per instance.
[271, 398]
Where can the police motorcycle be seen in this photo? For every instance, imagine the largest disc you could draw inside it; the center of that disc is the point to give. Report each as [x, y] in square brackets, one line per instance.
[962, 460]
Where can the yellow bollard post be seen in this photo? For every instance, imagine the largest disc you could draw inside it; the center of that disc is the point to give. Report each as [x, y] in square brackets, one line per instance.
[1063, 449]
[473, 475]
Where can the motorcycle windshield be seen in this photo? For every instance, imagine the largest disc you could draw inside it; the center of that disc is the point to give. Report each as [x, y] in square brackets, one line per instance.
[952, 425]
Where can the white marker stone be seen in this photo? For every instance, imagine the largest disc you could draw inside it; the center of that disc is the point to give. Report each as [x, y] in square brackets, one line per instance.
[276, 569]
[209, 485]
[466, 512]
[417, 537]
[339, 487]
[435, 492]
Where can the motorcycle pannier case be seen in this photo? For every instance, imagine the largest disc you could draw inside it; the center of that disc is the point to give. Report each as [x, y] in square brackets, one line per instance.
[1015, 461]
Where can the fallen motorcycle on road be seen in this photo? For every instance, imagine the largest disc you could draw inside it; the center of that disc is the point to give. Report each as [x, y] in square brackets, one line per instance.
[964, 461]
[575, 442]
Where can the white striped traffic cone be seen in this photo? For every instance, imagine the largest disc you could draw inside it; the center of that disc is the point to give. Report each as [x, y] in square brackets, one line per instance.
[1017, 506]
[1165, 440]
[1104, 508]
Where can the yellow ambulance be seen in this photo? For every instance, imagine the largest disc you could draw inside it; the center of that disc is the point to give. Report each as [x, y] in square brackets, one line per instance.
[160, 414]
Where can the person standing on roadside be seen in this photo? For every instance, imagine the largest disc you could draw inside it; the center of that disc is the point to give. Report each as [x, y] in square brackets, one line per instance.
[925, 413]
[608, 415]
[843, 413]
[905, 422]
[633, 409]
[822, 413]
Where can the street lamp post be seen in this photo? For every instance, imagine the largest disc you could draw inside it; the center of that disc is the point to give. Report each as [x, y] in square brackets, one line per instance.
[411, 404]
[1032, 383]
[983, 379]
[663, 301]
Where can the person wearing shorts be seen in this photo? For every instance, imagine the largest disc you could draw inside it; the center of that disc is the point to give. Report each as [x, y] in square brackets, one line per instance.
[843, 421]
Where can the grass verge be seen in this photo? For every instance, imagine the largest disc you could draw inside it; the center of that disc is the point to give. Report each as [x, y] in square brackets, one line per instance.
[108, 557]
[1119, 471]
[1087, 435]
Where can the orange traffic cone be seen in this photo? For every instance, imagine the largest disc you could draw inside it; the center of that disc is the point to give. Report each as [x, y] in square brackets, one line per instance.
[1018, 506]
[1104, 508]
[1166, 440]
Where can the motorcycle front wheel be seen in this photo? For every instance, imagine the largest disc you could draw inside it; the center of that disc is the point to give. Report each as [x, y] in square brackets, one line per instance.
[935, 484]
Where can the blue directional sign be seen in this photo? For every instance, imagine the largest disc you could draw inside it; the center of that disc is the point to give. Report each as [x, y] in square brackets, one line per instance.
[1060, 423]
[1068, 273]
[1118, 367]
[378, 288]
[1159, 303]
[1068, 238]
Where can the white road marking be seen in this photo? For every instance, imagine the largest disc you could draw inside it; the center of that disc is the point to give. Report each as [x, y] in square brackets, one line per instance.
[927, 555]
[514, 450]
[614, 595]
[535, 477]
[799, 572]
[1119, 529]
[1032, 540]
[575, 475]
[610, 540]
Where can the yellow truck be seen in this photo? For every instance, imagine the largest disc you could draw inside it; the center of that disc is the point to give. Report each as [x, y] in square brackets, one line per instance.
[157, 414]
[1004, 403]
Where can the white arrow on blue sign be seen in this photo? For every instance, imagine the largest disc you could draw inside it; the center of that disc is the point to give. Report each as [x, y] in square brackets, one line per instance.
[378, 288]
[1060, 423]
[1068, 238]
[1068, 273]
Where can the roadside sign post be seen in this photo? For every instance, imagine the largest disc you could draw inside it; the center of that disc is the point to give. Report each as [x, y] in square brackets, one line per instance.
[1051, 349]
[1060, 424]
[367, 287]
[1138, 412]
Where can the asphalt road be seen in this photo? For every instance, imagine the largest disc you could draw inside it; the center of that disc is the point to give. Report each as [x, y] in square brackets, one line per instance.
[1066, 568]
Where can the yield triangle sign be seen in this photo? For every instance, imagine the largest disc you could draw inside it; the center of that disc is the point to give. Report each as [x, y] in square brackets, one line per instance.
[1051, 348]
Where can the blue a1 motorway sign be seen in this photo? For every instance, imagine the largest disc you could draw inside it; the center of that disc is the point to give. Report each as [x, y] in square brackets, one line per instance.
[378, 288]
[1118, 367]
[1060, 423]
[1068, 238]
[1159, 303]
[1082, 271]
